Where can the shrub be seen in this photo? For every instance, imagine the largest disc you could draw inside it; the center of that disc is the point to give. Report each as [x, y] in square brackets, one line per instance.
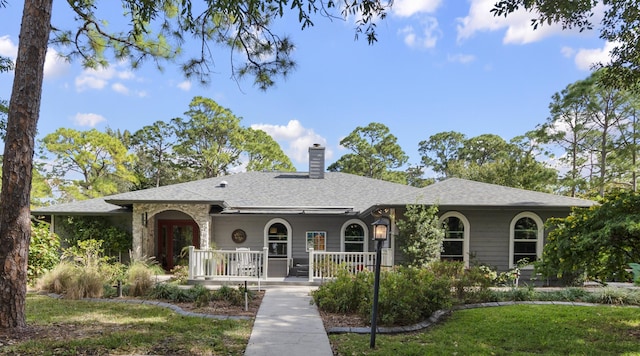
[180, 274]
[470, 285]
[409, 295]
[201, 295]
[140, 279]
[615, 296]
[232, 295]
[44, 252]
[406, 295]
[345, 293]
[166, 291]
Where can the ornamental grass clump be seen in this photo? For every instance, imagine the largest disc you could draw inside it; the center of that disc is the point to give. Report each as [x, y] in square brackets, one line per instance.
[58, 279]
[139, 278]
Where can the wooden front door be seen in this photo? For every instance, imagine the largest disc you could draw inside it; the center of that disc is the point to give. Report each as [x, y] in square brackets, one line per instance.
[173, 236]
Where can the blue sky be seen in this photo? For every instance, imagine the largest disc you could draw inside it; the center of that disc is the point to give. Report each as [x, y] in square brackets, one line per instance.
[438, 66]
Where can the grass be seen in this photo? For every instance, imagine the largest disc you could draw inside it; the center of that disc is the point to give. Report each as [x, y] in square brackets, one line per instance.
[513, 330]
[70, 327]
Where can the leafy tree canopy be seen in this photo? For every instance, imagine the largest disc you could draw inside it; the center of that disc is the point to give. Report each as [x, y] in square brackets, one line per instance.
[88, 164]
[375, 153]
[155, 30]
[488, 158]
[599, 241]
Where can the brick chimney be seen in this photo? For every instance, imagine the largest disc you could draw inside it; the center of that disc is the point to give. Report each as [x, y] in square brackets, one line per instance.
[316, 161]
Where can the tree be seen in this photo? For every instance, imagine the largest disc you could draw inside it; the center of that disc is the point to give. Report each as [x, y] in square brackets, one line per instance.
[440, 150]
[568, 127]
[594, 125]
[375, 152]
[618, 26]
[488, 158]
[209, 142]
[598, 242]
[264, 153]
[420, 235]
[24, 108]
[98, 158]
[153, 147]
[240, 25]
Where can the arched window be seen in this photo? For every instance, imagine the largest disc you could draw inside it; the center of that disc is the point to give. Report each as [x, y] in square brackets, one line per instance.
[354, 236]
[277, 238]
[526, 239]
[456, 238]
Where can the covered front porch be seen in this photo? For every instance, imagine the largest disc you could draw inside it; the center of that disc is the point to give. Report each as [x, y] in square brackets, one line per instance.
[206, 265]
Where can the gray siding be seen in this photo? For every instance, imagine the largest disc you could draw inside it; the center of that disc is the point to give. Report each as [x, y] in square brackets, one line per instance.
[489, 232]
[254, 225]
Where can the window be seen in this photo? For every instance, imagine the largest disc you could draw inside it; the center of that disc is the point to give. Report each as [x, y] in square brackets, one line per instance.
[354, 236]
[317, 240]
[455, 245]
[277, 240]
[526, 238]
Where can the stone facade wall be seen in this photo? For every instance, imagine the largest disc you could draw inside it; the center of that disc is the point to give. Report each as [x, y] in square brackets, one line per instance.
[144, 234]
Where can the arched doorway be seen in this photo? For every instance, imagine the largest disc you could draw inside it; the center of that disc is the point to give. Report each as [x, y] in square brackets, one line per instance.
[277, 239]
[173, 237]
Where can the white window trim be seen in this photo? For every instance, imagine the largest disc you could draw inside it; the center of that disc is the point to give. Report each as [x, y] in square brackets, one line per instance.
[539, 241]
[467, 232]
[289, 233]
[365, 229]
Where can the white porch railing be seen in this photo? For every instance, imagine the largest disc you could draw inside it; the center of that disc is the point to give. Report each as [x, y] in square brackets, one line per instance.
[246, 264]
[324, 264]
[221, 264]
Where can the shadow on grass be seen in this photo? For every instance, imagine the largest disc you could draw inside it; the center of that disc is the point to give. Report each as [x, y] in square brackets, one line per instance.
[68, 327]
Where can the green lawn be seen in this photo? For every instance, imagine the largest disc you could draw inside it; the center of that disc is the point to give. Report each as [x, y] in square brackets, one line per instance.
[71, 327]
[513, 330]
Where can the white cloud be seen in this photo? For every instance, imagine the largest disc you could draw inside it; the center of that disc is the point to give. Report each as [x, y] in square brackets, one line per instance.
[567, 51]
[407, 8]
[186, 85]
[585, 59]
[461, 58]
[88, 119]
[120, 88]
[8, 48]
[292, 130]
[54, 65]
[518, 24]
[428, 36]
[295, 139]
[99, 78]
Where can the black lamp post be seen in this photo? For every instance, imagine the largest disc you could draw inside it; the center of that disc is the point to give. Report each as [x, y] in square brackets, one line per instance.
[380, 233]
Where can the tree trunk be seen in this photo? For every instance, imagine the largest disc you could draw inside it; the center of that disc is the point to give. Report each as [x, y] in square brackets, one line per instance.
[24, 109]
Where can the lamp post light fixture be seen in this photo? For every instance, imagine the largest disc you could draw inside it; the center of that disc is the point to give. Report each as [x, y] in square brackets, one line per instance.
[380, 234]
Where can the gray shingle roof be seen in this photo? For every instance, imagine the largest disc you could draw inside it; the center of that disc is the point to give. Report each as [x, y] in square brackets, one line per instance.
[461, 192]
[83, 207]
[287, 192]
[262, 190]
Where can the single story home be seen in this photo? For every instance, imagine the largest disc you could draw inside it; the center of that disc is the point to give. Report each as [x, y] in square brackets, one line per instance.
[275, 224]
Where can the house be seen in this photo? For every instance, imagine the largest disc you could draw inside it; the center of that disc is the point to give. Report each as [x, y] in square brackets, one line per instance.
[274, 224]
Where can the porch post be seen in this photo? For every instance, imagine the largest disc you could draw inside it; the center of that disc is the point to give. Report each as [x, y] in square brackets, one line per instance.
[192, 262]
[265, 261]
[311, 264]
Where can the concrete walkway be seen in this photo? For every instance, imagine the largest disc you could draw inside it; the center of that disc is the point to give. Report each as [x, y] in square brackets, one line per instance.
[288, 324]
